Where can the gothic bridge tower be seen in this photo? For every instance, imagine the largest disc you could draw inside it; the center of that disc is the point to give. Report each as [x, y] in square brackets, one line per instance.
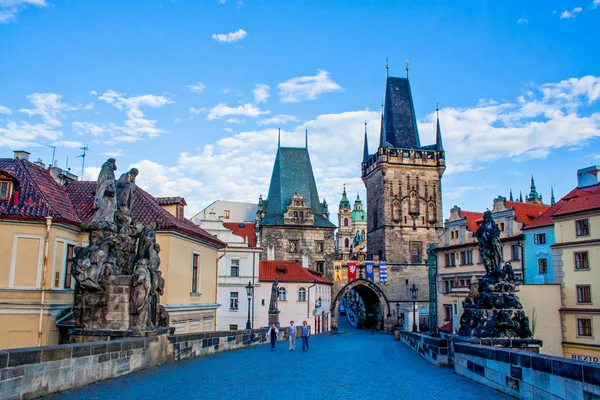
[404, 195]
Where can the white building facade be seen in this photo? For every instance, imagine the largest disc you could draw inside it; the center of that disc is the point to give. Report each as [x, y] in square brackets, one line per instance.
[228, 211]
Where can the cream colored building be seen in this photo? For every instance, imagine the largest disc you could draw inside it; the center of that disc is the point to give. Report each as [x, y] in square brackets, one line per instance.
[304, 295]
[577, 254]
[42, 213]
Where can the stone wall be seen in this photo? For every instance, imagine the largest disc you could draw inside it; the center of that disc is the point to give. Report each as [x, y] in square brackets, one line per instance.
[39, 371]
[527, 375]
[432, 349]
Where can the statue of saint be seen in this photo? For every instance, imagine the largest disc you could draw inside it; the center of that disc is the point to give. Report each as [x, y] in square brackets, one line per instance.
[274, 295]
[488, 236]
[125, 191]
[140, 291]
[105, 202]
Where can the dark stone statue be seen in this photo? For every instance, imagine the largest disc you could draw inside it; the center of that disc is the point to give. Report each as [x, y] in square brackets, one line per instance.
[492, 309]
[274, 296]
[105, 202]
[125, 191]
[140, 292]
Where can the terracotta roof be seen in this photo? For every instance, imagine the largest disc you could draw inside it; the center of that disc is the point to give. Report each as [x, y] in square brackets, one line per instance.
[37, 194]
[447, 327]
[167, 201]
[472, 218]
[145, 210]
[287, 271]
[525, 212]
[243, 230]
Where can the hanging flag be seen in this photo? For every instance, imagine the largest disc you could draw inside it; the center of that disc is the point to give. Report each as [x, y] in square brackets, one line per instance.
[351, 272]
[383, 274]
[337, 271]
[370, 273]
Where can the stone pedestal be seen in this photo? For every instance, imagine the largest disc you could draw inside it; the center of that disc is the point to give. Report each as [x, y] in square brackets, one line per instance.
[274, 318]
[118, 292]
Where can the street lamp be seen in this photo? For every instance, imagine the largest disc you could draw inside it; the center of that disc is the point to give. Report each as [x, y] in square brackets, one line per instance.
[398, 313]
[414, 290]
[249, 293]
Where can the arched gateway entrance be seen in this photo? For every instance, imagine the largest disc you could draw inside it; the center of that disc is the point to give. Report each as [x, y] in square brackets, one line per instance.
[376, 304]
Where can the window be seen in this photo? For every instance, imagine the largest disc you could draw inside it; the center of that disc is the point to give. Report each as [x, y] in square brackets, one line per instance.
[584, 295]
[319, 247]
[69, 263]
[453, 234]
[234, 300]
[501, 226]
[415, 252]
[450, 259]
[539, 238]
[584, 327]
[514, 252]
[463, 257]
[262, 302]
[346, 243]
[581, 260]
[4, 189]
[542, 266]
[448, 284]
[345, 221]
[282, 294]
[235, 267]
[447, 312]
[582, 227]
[320, 267]
[455, 309]
[180, 212]
[301, 294]
[301, 214]
[233, 327]
[469, 257]
[226, 214]
[293, 246]
[195, 265]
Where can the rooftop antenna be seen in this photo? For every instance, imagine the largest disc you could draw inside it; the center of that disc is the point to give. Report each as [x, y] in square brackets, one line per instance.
[306, 138]
[84, 148]
[406, 69]
[53, 153]
[387, 68]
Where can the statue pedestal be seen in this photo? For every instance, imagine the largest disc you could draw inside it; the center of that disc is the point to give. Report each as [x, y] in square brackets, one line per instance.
[274, 318]
[118, 293]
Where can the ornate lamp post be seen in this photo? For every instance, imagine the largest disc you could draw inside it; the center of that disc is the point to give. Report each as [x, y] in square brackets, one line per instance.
[414, 290]
[249, 293]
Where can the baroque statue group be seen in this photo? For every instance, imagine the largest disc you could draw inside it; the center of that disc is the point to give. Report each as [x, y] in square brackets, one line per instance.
[118, 283]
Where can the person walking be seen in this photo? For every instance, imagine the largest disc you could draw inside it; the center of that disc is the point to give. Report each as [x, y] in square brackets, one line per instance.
[292, 335]
[272, 333]
[305, 335]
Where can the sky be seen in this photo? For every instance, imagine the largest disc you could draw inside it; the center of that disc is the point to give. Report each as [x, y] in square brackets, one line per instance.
[192, 93]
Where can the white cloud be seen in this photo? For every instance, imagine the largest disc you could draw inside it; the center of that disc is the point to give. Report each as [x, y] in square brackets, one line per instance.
[136, 126]
[196, 111]
[261, 93]
[89, 106]
[222, 1]
[5, 110]
[228, 130]
[245, 110]
[278, 119]
[522, 21]
[48, 106]
[570, 14]
[230, 37]
[10, 8]
[94, 93]
[236, 120]
[596, 3]
[225, 91]
[196, 88]
[306, 87]
[68, 143]
[113, 154]
[89, 128]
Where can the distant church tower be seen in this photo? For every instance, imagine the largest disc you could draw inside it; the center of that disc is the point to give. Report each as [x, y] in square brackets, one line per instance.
[404, 196]
[350, 222]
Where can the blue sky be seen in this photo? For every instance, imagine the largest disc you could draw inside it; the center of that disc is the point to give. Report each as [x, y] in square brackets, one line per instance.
[192, 92]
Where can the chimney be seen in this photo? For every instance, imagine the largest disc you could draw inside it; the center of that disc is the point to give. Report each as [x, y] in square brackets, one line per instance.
[21, 155]
[588, 176]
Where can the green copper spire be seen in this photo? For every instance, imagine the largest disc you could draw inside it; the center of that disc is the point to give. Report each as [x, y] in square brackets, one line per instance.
[344, 202]
[358, 212]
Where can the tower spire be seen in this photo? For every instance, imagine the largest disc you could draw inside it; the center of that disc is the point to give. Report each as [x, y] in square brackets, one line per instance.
[366, 146]
[406, 69]
[306, 138]
[552, 200]
[381, 135]
[520, 196]
[511, 195]
[279, 138]
[387, 68]
[438, 134]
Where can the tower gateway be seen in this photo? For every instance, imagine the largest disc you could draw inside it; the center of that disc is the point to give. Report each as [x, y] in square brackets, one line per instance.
[404, 197]
[293, 223]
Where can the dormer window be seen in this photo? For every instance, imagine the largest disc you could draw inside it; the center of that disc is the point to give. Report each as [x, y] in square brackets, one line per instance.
[4, 189]
[180, 212]
[226, 214]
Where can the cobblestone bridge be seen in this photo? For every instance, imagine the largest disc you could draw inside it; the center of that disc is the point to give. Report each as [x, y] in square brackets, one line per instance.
[354, 364]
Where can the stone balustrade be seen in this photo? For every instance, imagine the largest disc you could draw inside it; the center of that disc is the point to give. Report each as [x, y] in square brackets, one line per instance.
[432, 349]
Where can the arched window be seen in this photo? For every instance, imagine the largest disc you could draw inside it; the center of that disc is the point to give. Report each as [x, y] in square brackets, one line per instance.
[282, 294]
[345, 221]
[301, 294]
[346, 243]
[363, 233]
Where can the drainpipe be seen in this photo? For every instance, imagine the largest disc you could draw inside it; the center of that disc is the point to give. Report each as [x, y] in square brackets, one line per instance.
[44, 271]
[217, 276]
[308, 305]
[254, 291]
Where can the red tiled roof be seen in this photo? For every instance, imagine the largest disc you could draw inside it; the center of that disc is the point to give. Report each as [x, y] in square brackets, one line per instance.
[38, 195]
[243, 230]
[447, 327]
[146, 209]
[525, 212]
[167, 201]
[472, 218]
[287, 271]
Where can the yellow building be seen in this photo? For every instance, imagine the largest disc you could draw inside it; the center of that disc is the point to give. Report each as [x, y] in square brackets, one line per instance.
[577, 254]
[42, 216]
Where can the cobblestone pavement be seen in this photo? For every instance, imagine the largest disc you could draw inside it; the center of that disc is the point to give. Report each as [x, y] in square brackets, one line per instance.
[350, 365]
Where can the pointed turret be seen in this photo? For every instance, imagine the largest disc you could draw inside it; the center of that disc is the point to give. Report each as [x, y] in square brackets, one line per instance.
[534, 197]
[438, 134]
[552, 200]
[344, 202]
[366, 146]
[511, 195]
[520, 196]
[399, 129]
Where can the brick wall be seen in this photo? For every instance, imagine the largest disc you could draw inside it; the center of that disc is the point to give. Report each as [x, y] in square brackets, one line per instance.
[39, 371]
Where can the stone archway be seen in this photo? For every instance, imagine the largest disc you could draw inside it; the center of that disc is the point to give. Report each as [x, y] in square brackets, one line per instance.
[373, 297]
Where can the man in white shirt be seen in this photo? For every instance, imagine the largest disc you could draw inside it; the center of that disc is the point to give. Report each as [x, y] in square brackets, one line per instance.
[292, 335]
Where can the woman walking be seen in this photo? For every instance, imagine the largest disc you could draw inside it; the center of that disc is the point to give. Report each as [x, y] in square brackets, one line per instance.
[305, 335]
